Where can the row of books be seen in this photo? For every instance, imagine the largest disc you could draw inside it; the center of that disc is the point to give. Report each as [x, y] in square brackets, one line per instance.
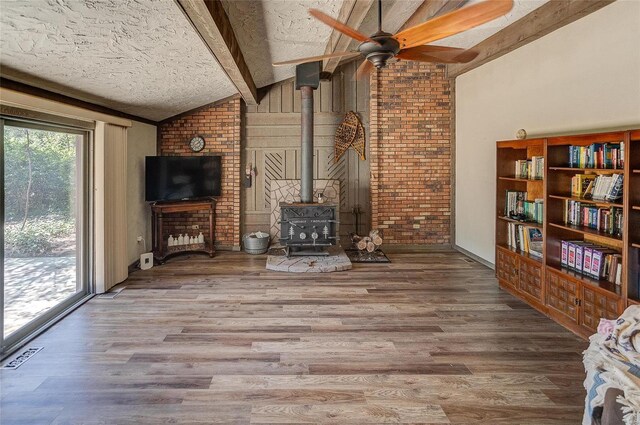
[597, 155]
[532, 169]
[607, 220]
[592, 260]
[514, 203]
[602, 188]
[525, 238]
[519, 208]
[533, 210]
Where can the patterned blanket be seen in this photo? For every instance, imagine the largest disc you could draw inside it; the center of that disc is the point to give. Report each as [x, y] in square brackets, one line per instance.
[613, 361]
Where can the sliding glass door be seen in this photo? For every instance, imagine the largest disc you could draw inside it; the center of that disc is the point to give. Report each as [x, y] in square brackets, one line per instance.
[44, 222]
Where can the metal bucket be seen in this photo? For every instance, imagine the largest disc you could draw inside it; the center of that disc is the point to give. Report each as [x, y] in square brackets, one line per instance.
[254, 244]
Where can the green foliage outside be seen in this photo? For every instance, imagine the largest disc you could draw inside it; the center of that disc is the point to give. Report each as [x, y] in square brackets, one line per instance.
[40, 185]
[41, 237]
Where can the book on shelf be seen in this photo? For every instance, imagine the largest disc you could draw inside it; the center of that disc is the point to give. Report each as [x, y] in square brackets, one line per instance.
[597, 155]
[607, 220]
[580, 183]
[600, 188]
[517, 207]
[525, 238]
[532, 169]
[514, 203]
[607, 188]
[592, 260]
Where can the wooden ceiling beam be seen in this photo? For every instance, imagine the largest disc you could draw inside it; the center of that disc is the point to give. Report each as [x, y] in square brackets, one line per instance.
[540, 22]
[212, 23]
[352, 13]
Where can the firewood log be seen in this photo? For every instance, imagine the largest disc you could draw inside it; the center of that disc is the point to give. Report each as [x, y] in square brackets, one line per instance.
[374, 233]
[377, 240]
[362, 245]
[371, 246]
[354, 238]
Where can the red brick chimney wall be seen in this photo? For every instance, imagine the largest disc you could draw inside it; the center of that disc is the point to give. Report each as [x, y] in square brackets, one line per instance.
[411, 153]
[219, 125]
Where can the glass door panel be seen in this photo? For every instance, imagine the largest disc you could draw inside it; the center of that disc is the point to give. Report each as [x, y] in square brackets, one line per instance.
[44, 220]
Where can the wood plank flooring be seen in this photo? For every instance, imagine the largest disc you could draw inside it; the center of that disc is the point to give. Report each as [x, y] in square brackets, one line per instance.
[429, 338]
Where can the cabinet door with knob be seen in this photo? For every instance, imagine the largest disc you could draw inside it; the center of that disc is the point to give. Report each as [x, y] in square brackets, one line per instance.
[508, 268]
[530, 282]
[562, 296]
[597, 305]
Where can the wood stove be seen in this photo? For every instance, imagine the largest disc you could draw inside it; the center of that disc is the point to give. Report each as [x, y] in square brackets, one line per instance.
[307, 228]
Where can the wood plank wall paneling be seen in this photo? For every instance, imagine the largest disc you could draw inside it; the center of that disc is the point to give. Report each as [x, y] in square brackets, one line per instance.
[271, 142]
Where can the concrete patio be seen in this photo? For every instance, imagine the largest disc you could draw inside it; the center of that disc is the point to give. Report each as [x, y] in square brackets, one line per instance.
[34, 285]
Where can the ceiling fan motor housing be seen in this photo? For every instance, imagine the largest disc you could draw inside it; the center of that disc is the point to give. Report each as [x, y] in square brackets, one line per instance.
[379, 54]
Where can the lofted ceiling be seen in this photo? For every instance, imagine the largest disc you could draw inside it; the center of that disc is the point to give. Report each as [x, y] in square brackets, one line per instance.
[141, 57]
[276, 30]
[144, 57]
[470, 38]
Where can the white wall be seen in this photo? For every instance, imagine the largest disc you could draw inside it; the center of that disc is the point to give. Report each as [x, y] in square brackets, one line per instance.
[582, 77]
[141, 142]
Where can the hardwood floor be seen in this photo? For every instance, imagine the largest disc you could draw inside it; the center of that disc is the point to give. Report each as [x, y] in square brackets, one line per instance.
[428, 338]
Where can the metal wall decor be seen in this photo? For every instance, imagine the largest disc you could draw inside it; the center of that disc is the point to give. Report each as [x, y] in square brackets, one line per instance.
[350, 133]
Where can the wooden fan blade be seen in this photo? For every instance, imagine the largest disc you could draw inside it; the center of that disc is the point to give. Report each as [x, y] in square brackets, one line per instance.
[337, 25]
[317, 58]
[439, 54]
[453, 23]
[364, 69]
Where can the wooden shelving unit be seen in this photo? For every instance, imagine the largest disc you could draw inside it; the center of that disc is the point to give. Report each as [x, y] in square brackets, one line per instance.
[632, 203]
[587, 170]
[159, 213]
[574, 300]
[613, 240]
[527, 223]
[519, 272]
[586, 201]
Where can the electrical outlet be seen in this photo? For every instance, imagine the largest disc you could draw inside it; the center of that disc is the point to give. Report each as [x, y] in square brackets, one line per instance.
[195, 227]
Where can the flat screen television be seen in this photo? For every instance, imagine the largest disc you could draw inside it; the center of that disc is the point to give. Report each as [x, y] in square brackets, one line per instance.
[173, 178]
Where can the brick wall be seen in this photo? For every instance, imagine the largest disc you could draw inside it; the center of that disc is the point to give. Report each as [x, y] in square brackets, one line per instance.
[411, 153]
[220, 127]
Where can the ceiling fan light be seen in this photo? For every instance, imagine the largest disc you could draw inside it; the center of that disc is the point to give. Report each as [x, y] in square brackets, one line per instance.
[379, 59]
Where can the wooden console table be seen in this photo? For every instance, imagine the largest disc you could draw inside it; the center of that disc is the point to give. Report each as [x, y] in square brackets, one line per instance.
[159, 210]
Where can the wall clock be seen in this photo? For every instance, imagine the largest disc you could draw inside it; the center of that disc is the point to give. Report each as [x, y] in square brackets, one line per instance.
[196, 144]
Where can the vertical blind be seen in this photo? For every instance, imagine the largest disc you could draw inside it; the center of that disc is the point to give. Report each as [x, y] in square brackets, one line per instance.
[110, 181]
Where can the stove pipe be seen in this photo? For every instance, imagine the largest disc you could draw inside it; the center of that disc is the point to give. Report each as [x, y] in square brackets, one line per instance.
[307, 80]
[306, 147]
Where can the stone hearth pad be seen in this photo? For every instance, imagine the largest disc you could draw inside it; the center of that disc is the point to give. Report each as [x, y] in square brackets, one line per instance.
[336, 261]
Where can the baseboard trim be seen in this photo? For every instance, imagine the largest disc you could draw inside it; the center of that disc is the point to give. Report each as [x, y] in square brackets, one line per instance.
[410, 248]
[474, 257]
[227, 248]
[133, 266]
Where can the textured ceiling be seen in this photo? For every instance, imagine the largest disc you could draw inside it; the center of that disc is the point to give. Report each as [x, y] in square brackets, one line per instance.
[277, 30]
[142, 57]
[474, 36]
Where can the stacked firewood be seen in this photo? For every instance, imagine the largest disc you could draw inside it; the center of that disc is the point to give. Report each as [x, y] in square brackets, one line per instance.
[367, 243]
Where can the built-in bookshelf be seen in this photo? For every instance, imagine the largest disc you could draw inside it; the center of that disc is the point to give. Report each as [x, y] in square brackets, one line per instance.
[519, 271]
[590, 192]
[632, 202]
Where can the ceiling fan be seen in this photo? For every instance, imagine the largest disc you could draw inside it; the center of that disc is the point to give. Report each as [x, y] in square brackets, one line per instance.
[409, 44]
